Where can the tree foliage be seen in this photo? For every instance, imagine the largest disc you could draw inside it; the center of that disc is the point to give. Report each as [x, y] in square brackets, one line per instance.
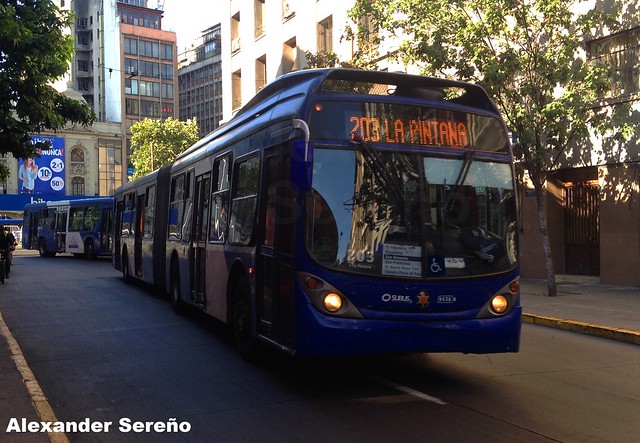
[528, 54]
[34, 52]
[155, 143]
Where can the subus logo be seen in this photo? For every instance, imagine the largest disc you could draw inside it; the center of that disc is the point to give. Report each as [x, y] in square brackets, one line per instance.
[396, 298]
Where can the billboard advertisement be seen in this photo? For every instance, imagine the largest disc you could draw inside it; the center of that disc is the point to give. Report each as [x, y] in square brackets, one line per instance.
[44, 174]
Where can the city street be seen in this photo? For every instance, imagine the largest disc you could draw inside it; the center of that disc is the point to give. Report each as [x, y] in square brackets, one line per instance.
[104, 351]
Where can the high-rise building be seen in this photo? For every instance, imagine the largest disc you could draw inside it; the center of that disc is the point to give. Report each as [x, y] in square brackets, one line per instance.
[125, 66]
[200, 81]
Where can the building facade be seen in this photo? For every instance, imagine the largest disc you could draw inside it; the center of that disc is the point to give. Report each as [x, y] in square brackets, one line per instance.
[125, 67]
[200, 81]
[594, 194]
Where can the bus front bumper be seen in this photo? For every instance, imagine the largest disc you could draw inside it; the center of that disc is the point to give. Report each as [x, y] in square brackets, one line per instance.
[322, 335]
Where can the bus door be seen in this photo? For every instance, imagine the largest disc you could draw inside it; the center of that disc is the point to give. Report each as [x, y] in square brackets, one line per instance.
[138, 233]
[199, 238]
[32, 222]
[117, 231]
[106, 224]
[61, 230]
[275, 275]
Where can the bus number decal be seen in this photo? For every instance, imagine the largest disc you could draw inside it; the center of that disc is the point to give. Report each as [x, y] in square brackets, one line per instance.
[359, 256]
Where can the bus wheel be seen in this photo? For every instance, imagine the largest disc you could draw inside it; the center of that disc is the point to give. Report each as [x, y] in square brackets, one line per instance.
[89, 249]
[176, 300]
[125, 268]
[241, 322]
[41, 249]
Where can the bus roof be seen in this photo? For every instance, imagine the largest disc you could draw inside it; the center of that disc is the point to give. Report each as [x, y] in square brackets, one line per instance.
[75, 202]
[301, 84]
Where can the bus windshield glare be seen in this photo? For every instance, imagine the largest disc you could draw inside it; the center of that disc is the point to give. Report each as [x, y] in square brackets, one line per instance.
[411, 214]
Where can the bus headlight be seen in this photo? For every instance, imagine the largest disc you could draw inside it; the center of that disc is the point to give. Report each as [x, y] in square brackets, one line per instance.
[503, 301]
[499, 304]
[326, 298]
[332, 302]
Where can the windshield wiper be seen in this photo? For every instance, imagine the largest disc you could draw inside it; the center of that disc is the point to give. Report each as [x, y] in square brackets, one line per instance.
[462, 176]
[379, 169]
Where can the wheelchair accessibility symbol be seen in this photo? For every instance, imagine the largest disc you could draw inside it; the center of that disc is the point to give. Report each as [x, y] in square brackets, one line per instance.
[436, 265]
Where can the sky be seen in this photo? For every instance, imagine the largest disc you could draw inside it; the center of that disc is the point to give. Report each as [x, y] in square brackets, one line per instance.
[188, 17]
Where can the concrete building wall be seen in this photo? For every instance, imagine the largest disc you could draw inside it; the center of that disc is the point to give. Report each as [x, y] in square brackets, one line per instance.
[620, 224]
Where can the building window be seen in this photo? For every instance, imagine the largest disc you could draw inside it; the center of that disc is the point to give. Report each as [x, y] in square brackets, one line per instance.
[149, 89]
[325, 35]
[289, 56]
[166, 52]
[132, 107]
[258, 11]
[149, 69]
[621, 54]
[287, 9]
[235, 33]
[149, 109]
[167, 91]
[236, 89]
[77, 155]
[167, 110]
[83, 65]
[78, 166]
[149, 49]
[130, 86]
[261, 72]
[109, 165]
[130, 46]
[77, 186]
[130, 66]
[167, 72]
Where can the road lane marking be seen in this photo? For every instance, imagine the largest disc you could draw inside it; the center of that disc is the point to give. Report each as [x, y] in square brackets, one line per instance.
[407, 390]
[40, 402]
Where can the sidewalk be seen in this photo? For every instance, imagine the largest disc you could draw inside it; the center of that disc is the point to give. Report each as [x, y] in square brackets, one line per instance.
[585, 306]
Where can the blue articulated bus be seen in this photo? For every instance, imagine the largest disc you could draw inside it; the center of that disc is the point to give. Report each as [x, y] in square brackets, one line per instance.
[340, 212]
[82, 227]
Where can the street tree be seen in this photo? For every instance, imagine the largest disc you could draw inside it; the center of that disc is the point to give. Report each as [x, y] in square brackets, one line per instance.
[526, 53]
[34, 52]
[155, 143]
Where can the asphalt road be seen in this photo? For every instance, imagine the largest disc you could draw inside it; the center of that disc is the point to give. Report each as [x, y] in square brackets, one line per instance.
[104, 351]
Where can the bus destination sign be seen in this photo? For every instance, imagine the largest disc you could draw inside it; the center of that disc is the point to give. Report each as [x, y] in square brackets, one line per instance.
[444, 133]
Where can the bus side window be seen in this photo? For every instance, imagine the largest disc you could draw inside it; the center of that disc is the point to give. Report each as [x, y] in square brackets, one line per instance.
[188, 207]
[219, 200]
[244, 201]
[126, 215]
[76, 219]
[176, 207]
[149, 211]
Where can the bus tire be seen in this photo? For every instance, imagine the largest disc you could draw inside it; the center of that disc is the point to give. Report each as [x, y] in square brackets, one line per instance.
[42, 249]
[241, 321]
[89, 249]
[174, 290]
[125, 267]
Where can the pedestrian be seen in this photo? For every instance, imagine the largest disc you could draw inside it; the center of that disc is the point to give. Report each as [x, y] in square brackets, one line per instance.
[4, 250]
[12, 247]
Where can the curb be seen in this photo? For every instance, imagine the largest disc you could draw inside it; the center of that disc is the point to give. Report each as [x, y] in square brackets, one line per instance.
[618, 334]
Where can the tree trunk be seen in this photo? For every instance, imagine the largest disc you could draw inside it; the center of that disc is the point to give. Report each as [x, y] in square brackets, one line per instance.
[541, 197]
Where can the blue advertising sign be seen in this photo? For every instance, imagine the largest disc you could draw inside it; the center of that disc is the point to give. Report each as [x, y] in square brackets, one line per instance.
[44, 174]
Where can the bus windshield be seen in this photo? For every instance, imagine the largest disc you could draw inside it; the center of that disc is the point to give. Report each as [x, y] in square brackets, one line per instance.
[412, 215]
